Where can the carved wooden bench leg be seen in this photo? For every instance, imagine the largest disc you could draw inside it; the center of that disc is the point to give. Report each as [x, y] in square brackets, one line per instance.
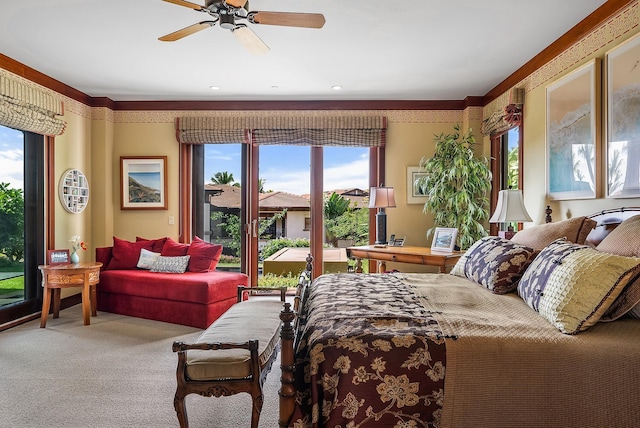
[181, 410]
[178, 400]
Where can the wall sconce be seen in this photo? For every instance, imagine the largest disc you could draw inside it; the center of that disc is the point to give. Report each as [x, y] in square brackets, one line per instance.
[510, 208]
[381, 198]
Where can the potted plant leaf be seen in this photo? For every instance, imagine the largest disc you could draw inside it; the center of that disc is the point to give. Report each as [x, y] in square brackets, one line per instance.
[457, 184]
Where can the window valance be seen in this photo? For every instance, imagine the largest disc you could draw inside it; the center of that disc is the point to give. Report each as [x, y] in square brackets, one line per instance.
[29, 109]
[359, 131]
[509, 117]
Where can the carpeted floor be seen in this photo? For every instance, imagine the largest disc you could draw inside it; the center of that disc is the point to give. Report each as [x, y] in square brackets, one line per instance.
[117, 372]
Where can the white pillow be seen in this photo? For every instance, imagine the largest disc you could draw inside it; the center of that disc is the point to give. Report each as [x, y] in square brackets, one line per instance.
[147, 259]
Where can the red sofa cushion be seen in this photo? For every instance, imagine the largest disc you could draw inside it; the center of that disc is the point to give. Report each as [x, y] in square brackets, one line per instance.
[125, 254]
[172, 248]
[204, 256]
[157, 244]
[203, 288]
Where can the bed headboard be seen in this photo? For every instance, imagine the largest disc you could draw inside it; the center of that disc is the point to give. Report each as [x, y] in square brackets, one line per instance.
[608, 220]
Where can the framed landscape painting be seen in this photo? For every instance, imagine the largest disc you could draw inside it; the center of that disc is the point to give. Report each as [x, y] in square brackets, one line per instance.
[573, 134]
[623, 125]
[143, 183]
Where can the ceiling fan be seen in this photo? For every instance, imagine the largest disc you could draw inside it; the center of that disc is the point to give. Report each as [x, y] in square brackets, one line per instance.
[227, 13]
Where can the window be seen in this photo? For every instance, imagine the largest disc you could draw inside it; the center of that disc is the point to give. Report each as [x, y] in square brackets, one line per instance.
[506, 165]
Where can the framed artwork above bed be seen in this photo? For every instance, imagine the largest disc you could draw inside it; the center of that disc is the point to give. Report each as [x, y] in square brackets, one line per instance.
[573, 134]
[623, 127]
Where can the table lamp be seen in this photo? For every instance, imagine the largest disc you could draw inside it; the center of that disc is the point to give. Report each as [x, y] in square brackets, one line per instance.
[381, 198]
[510, 208]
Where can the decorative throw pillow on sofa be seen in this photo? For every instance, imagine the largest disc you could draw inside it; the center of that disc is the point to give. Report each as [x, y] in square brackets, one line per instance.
[125, 254]
[573, 285]
[156, 244]
[538, 237]
[173, 248]
[204, 256]
[147, 259]
[171, 264]
[494, 263]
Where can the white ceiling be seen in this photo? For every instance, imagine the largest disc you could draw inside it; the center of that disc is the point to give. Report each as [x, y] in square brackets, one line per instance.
[377, 50]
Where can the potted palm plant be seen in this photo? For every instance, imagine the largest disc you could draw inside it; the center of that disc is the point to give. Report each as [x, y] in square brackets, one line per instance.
[457, 184]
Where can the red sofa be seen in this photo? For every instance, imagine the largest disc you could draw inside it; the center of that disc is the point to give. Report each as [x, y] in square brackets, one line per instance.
[191, 298]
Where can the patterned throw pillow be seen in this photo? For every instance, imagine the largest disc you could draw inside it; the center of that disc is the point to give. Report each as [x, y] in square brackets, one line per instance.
[147, 259]
[573, 285]
[495, 263]
[166, 264]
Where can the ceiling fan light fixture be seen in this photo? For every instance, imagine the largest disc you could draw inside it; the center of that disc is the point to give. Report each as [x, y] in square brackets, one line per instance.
[250, 40]
[227, 20]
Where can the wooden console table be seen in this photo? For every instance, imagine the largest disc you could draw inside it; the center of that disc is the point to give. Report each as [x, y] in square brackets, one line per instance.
[66, 275]
[415, 255]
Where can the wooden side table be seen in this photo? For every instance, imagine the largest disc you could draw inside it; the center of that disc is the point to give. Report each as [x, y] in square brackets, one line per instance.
[66, 275]
[415, 255]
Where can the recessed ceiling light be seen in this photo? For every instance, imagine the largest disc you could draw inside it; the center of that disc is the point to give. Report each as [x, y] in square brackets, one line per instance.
[214, 88]
[336, 87]
[274, 86]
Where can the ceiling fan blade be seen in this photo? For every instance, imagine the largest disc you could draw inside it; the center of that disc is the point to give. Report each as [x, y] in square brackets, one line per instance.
[287, 19]
[250, 40]
[176, 35]
[236, 3]
[186, 4]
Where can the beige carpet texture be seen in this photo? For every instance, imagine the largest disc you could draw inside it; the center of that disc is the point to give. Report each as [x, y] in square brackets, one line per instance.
[117, 372]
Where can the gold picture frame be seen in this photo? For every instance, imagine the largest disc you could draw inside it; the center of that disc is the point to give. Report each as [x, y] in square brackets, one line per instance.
[622, 126]
[414, 195]
[573, 134]
[143, 183]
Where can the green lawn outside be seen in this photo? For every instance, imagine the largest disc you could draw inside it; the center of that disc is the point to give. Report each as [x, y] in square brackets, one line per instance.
[11, 285]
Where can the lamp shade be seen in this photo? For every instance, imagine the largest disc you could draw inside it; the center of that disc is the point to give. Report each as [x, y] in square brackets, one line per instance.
[381, 197]
[510, 207]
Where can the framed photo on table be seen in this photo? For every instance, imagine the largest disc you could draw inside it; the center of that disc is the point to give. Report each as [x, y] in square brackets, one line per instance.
[623, 127]
[58, 257]
[143, 183]
[444, 239]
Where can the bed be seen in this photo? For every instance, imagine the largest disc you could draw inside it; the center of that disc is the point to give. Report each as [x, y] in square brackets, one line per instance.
[539, 331]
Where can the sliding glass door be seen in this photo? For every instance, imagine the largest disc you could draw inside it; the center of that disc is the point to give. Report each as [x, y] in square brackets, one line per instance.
[21, 222]
[259, 199]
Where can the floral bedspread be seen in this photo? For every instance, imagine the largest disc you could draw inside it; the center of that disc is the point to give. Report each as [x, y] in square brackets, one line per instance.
[368, 354]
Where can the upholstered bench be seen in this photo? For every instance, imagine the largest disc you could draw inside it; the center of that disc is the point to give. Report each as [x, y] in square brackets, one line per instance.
[233, 355]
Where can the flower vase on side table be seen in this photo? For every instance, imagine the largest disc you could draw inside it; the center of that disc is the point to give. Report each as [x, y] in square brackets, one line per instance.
[74, 257]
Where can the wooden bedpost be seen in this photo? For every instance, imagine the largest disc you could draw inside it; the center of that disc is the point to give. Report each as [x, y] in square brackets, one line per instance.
[287, 388]
[287, 336]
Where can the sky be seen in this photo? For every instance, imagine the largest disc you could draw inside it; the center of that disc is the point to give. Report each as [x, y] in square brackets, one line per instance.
[11, 157]
[286, 168]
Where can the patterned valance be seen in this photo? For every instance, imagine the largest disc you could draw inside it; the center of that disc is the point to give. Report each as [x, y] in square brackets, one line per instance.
[28, 108]
[509, 117]
[359, 131]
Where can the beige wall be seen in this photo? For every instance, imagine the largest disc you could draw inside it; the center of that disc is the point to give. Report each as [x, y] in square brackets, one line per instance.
[595, 44]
